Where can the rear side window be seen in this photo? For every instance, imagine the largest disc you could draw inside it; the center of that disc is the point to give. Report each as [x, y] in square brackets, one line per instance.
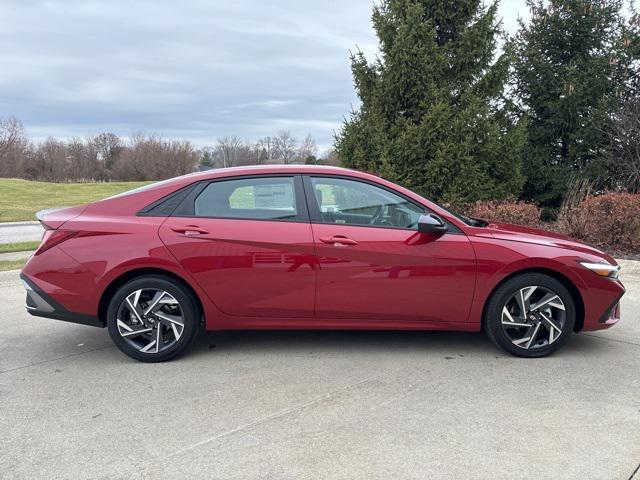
[266, 198]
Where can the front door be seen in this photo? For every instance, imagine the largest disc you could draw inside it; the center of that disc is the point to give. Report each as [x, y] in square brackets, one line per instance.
[374, 265]
[248, 244]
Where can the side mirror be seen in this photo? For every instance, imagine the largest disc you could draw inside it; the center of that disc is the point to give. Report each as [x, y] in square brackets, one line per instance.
[431, 224]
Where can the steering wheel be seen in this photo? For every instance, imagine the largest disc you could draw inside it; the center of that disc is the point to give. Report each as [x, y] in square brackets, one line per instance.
[379, 218]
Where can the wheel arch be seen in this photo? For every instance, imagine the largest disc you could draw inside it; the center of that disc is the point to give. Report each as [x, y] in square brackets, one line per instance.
[109, 291]
[573, 291]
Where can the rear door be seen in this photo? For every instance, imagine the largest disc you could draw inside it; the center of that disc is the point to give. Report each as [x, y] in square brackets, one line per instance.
[374, 265]
[248, 243]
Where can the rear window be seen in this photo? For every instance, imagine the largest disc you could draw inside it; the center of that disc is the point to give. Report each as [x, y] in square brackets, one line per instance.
[141, 189]
[151, 185]
[269, 198]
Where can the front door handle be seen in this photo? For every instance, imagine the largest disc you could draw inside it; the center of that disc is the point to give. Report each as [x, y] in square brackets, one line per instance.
[190, 230]
[338, 240]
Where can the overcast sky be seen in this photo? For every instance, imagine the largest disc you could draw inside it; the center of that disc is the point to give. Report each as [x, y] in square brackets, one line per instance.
[191, 69]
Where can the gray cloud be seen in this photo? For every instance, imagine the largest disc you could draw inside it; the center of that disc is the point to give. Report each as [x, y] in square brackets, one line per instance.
[191, 69]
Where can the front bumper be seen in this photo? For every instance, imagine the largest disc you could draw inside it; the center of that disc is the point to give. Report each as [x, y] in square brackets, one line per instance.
[39, 304]
[611, 316]
[601, 297]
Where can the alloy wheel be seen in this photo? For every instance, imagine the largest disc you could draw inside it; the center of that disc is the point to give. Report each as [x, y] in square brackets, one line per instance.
[150, 320]
[533, 317]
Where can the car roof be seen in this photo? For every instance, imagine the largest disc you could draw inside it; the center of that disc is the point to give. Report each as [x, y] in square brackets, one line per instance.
[274, 168]
[164, 187]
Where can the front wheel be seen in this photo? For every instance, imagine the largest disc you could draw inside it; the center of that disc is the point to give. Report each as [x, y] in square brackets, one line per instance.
[530, 315]
[152, 318]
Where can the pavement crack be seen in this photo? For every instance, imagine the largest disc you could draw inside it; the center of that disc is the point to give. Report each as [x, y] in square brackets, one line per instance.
[609, 339]
[55, 359]
[274, 416]
[634, 472]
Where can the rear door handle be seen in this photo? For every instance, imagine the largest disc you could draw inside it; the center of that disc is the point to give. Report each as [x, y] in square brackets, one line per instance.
[338, 240]
[190, 230]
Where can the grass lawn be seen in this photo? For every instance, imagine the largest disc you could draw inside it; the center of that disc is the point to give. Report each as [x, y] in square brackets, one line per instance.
[11, 264]
[18, 247]
[21, 199]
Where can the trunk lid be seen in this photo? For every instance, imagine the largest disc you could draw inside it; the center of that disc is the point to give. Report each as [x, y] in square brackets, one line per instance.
[54, 218]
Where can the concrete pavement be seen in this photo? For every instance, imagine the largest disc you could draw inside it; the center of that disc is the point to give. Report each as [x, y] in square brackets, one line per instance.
[20, 232]
[326, 405]
[16, 255]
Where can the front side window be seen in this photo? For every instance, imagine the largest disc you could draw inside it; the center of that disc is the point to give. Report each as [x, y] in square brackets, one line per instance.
[260, 198]
[351, 202]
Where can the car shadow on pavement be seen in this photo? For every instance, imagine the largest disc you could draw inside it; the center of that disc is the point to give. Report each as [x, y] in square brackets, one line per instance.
[83, 344]
[333, 342]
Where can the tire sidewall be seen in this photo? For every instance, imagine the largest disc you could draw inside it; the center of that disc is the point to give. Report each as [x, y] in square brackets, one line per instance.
[189, 313]
[493, 318]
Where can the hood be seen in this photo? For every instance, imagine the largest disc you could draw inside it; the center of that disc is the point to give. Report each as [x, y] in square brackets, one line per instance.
[518, 233]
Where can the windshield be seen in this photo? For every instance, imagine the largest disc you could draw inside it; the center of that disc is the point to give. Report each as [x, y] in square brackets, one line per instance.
[472, 222]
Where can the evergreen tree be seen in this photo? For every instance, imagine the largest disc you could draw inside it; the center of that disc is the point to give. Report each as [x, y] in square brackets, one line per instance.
[433, 115]
[207, 159]
[573, 64]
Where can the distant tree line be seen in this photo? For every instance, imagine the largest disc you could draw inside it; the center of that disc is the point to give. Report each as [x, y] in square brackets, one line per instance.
[103, 157]
[447, 112]
[282, 148]
[107, 157]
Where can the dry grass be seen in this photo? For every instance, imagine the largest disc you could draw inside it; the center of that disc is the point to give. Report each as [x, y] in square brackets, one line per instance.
[18, 247]
[11, 264]
[21, 199]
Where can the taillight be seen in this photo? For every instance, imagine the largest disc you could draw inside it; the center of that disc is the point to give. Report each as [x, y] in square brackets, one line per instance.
[51, 238]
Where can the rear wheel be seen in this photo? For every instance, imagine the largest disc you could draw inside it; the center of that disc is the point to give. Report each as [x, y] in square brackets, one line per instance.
[152, 318]
[530, 315]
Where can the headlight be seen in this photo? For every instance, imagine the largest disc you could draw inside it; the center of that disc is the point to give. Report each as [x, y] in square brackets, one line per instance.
[603, 269]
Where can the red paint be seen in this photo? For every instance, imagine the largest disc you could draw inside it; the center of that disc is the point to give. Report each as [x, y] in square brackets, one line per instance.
[388, 276]
[251, 268]
[299, 275]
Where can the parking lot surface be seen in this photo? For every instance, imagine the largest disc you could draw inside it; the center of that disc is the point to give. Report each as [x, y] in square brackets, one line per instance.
[327, 405]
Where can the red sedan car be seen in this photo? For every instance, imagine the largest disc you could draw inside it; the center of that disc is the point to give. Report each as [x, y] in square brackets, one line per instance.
[302, 247]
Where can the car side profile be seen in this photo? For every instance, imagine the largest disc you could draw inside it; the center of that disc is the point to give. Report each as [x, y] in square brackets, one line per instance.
[308, 247]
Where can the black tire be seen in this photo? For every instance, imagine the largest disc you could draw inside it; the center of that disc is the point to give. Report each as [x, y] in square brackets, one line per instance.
[186, 306]
[504, 337]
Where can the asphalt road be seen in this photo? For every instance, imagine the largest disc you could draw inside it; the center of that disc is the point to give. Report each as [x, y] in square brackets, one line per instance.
[326, 405]
[20, 232]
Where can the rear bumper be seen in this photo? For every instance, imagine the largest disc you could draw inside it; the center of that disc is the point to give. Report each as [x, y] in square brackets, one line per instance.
[40, 304]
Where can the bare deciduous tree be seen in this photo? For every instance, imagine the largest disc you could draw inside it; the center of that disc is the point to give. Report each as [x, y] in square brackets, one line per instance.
[10, 131]
[285, 147]
[109, 147]
[308, 150]
[82, 160]
[14, 147]
[228, 151]
[625, 137]
[149, 157]
[49, 162]
[330, 157]
[266, 148]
